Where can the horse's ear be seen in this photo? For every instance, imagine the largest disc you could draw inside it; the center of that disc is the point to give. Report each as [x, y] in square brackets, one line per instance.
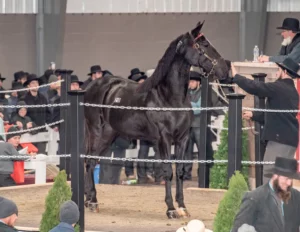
[195, 32]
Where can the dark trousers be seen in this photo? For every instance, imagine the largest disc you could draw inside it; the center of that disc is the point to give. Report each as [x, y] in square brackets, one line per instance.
[110, 171]
[6, 180]
[189, 154]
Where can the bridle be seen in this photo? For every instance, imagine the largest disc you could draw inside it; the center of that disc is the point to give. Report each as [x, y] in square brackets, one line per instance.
[214, 62]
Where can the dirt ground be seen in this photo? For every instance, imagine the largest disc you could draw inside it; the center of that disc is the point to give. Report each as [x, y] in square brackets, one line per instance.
[122, 208]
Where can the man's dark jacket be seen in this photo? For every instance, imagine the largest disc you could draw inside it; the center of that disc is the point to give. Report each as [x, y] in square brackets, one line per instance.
[281, 95]
[6, 228]
[259, 209]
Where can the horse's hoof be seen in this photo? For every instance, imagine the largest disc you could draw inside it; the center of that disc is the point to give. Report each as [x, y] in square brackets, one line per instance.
[183, 212]
[173, 214]
[93, 207]
[86, 203]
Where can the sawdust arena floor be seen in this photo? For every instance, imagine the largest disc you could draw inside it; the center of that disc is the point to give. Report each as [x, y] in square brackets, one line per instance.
[122, 208]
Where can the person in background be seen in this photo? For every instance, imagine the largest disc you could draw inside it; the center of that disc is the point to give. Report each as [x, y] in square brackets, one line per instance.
[75, 83]
[281, 130]
[68, 217]
[7, 165]
[20, 77]
[20, 119]
[95, 73]
[39, 115]
[15, 96]
[273, 206]
[8, 215]
[290, 48]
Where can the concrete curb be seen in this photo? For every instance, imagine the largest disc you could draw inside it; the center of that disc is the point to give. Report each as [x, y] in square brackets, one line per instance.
[37, 229]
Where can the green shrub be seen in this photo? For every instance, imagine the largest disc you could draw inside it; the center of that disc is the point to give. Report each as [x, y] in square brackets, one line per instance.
[58, 194]
[230, 204]
[218, 173]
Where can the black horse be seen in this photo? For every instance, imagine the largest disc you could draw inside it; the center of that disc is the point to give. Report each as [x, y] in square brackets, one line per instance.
[167, 87]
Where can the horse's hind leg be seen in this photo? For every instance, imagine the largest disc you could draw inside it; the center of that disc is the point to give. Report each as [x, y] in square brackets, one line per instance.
[180, 148]
[103, 144]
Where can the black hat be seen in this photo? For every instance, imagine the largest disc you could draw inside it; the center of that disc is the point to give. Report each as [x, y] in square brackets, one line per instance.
[290, 24]
[2, 78]
[195, 76]
[74, 78]
[285, 167]
[136, 75]
[94, 69]
[15, 132]
[7, 208]
[290, 66]
[30, 78]
[18, 75]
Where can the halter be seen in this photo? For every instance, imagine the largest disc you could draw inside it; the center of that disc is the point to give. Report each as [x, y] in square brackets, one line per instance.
[214, 62]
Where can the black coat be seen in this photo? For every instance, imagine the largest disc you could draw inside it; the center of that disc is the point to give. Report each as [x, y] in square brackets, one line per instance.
[40, 115]
[281, 95]
[259, 209]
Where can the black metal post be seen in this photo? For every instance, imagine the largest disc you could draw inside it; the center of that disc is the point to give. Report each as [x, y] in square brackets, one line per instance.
[205, 119]
[77, 148]
[259, 102]
[234, 133]
[64, 130]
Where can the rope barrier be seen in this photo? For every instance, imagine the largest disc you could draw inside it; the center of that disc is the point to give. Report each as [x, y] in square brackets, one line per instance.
[151, 108]
[271, 111]
[34, 106]
[33, 129]
[141, 160]
[224, 128]
[30, 88]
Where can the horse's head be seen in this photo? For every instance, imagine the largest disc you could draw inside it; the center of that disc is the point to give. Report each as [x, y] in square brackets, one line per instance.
[210, 60]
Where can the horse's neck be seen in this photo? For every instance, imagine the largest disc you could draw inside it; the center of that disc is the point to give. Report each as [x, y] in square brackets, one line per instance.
[174, 85]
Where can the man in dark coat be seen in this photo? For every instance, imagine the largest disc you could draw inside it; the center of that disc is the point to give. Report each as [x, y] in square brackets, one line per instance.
[194, 136]
[281, 129]
[290, 45]
[95, 73]
[274, 206]
[39, 115]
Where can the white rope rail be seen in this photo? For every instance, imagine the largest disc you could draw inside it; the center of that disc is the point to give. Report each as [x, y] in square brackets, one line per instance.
[34, 106]
[224, 85]
[270, 110]
[151, 108]
[141, 160]
[30, 88]
[224, 128]
[33, 129]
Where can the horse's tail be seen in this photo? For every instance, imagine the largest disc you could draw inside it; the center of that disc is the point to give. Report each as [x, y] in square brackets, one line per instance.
[94, 117]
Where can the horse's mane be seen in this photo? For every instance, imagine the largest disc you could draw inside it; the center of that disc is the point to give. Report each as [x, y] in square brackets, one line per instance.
[162, 68]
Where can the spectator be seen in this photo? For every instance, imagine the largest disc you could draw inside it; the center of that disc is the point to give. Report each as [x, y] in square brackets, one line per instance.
[20, 119]
[8, 215]
[75, 83]
[58, 73]
[95, 73]
[39, 115]
[55, 111]
[68, 216]
[52, 91]
[14, 98]
[3, 101]
[7, 165]
[20, 77]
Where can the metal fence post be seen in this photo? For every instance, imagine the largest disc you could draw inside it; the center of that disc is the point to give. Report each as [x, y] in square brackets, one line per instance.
[77, 148]
[205, 119]
[234, 133]
[259, 102]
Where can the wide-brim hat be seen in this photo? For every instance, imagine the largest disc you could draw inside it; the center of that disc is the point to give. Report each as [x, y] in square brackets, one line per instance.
[195, 76]
[30, 78]
[94, 69]
[2, 78]
[16, 86]
[75, 79]
[290, 24]
[136, 75]
[285, 167]
[290, 66]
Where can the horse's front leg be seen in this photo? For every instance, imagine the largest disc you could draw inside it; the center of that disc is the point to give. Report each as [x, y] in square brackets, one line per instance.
[165, 153]
[180, 148]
